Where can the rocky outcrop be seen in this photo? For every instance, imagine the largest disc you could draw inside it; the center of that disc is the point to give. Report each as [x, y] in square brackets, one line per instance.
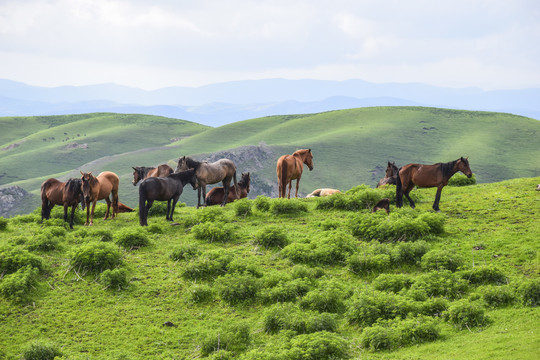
[10, 198]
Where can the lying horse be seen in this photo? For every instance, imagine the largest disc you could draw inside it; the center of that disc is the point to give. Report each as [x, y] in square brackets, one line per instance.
[142, 172]
[163, 189]
[390, 178]
[383, 204]
[436, 175]
[323, 192]
[98, 188]
[54, 192]
[215, 195]
[210, 173]
[290, 167]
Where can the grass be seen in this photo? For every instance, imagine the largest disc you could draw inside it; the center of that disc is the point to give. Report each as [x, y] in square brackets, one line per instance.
[156, 315]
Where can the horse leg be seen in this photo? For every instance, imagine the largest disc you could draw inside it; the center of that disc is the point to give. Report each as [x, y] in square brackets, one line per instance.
[72, 216]
[175, 200]
[168, 209]
[437, 199]
[92, 213]
[65, 212]
[406, 193]
[87, 213]
[297, 185]
[290, 187]
[225, 192]
[108, 208]
[204, 194]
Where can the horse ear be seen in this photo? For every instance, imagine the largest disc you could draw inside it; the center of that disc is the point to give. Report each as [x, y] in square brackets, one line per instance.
[134, 168]
[81, 172]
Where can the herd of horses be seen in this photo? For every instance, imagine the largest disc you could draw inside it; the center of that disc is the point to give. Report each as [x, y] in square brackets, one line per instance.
[162, 183]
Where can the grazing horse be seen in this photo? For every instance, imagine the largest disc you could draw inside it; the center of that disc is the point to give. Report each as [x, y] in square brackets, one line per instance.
[436, 175]
[167, 188]
[210, 173]
[323, 192]
[142, 172]
[98, 188]
[215, 196]
[54, 192]
[290, 167]
[390, 177]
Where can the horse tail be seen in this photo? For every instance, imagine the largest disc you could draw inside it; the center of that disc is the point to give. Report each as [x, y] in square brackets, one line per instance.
[399, 191]
[142, 205]
[45, 211]
[283, 178]
[235, 186]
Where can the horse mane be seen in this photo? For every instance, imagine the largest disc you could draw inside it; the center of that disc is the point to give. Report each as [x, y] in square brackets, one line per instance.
[192, 164]
[74, 185]
[182, 175]
[448, 168]
[143, 170]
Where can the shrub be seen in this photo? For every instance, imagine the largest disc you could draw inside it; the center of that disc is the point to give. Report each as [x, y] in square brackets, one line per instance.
[379, 337]
[262, 203]
[367, 307]
[43, 242]
[369, 263]
[530, 292]
[482, 275]
[498, 296]
[392, 282]
[114, 279]
[245, 266]
[41, 350]
[233, 338]
[357, 198]
[132, 238]
[101, 235]
[235, 289]
[207, 266]
[211, 214]
[155, 229]
[271, 236]
[3, 223]
[466, 314]
[439, 283]
[12, 259]
[462, 180]
[159, 208]
[287, 206]
[317, 346]
[328, 297]
[20, 285]
[442, 260]
[410, 253]
[200, 293]
[242, 207]
[285, 291]
[300, 272]
[95, 257]
[184, 252]
[290, 317]
[330, 247]
[213, 232]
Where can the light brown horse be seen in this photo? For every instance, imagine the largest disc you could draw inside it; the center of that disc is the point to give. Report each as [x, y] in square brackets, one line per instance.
[98, 188]
[390, 176]
[323, 192]
[210, 173]
[215, 195]
[436, 175]
[142, 172]
[55, 192]
[290, 167]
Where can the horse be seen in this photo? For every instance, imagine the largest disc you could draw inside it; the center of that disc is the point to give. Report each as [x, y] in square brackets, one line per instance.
[390, 177]
[290, 167]
[383, 204]
[210, 173]
[54, 192]
[98, 188]
[142, 172]
[436, 175]
[215, 195]
[167, 188]
[323, 192]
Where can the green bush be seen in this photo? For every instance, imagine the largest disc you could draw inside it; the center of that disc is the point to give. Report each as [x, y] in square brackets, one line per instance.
[301, 272]
[19, 286]
[232, 338]
[211, 214]
[43, 242]
[329, 248]
[409, 253]
[242, 207]
[132, 238]
[433, 306]
[486, 274]
[438, 283]
[14, 258]
[290, 317]
[207, 266]
[466, 314]
[236, 289]
[245, 266]
[366, 308]
[271, 236]
[462, 180]
[100, 235]
[262, 203]
[213, 232]
[362, 264]
[285, 291]
[159, 208]
[95, 257]
[115, 279]
[41, 350]
[154, 229]
[530, 292]
[184, 252]
[379, 337]
[357, 198]
[3, 223]
[287, 206]
[200, 293]
[329, 297]
[498, 296]
[318, 346]
[442, 260]
[392, 282]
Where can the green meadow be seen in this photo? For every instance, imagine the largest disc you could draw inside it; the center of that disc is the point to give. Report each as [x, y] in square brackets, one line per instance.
[318, 278]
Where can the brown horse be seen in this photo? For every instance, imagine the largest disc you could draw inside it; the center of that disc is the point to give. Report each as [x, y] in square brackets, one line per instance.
[142, 172]
[290, 167]
[215, 195]
[98, 188]
[210, 173]
[436, 175]
[390, 177]
[54, 192]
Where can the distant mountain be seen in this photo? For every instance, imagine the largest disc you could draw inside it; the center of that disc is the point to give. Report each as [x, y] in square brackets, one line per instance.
[223, 103]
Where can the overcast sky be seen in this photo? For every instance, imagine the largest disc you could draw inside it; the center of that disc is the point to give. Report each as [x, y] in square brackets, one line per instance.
[491, 44]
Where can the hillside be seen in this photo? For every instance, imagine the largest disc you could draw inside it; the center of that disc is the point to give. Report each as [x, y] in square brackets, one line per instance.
[289, 280]
[349, 146]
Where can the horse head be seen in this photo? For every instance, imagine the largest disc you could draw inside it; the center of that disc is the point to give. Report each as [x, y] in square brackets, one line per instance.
[138, 175]
[391, 169]
[463, 166]
[308, 160]
[245, 180]
[87, 181]
[192, 178]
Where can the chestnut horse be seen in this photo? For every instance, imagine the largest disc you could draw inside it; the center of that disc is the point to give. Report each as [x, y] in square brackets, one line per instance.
[210, 173]
[54, 192]
[436, 175]
[142, 172]
[390, 177]
[290, 167]
[215, 195]
[98, 188]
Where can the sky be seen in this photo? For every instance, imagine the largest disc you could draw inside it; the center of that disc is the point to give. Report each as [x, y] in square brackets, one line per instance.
[489, 44]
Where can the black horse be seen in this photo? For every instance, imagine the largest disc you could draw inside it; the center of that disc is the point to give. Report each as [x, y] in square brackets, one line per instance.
[167, 188]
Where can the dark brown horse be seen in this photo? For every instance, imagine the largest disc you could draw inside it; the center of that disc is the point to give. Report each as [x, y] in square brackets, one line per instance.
[210, 173]
[167, 188]
[436, 175]
[142, 172]
[290, 167]
[54, 192]
[215, 195]
[98, 188]
[390, 177]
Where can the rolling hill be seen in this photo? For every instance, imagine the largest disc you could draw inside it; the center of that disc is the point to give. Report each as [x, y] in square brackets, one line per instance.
[350, 147]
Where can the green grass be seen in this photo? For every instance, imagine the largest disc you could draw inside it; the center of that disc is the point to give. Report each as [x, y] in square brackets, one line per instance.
[486, 224]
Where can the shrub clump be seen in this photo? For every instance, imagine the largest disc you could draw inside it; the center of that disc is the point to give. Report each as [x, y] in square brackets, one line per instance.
[530, 292]
[95, 257]
[483, 275]
[466, 314]
[133, 238]
[262, 203]
[101, 235]
[207, 266]
[242, 207]
[271, 236]
[233, 338]
[438, 283]
[12, 259]
[285, 291]
[357, 198]
[318, 345]
[235, 289]
[43, 242]
[41, 350]
[115, 279]
[184, 252]
[462, 180]
[213, 232]
[288, 316]
[199, 293]
[3, 223]
[287, 206]
[367, 308]
[329, 297]
[19, 286]
[330, 247]
[498, 296]
[442, 260]
[369, 263]
[392, 282]
[409, 253]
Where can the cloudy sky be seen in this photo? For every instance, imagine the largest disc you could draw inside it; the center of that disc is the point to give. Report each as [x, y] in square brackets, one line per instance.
[491, 44]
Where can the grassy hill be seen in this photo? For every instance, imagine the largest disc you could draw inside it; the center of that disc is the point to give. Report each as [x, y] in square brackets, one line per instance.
[293, 279]
[349, 146]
